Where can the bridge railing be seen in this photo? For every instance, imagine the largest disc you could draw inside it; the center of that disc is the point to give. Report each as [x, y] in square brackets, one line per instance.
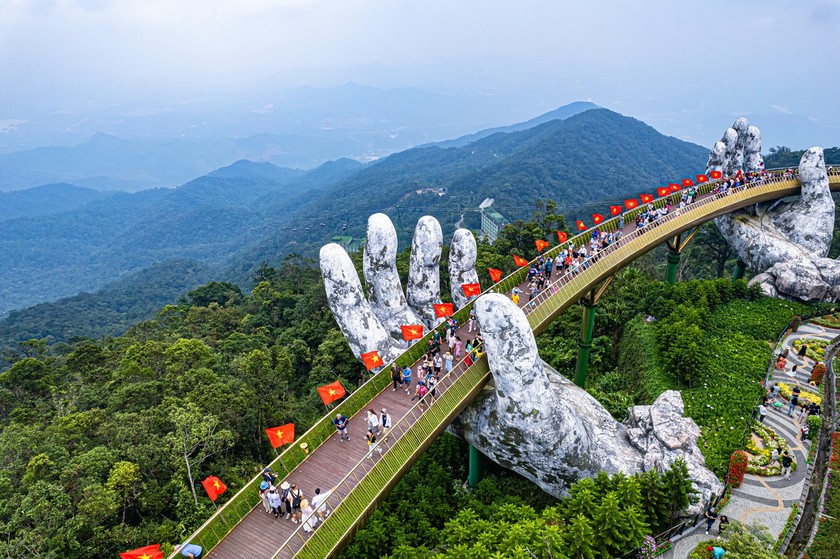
[375, 474]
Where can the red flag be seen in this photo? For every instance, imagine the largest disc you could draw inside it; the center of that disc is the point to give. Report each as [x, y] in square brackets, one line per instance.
[674, 187]
[333, 391]
[283, 434]
[148, 552]
[495, 274]
[716, 175]
[646, 198]
[471, 289]
[562, 236]
[541, 245]
[371, 360]
[597, 218]
[615, 210]
[701, 179]
[443, 310]
[663, 191]
[214, 487]
[687, 182]
[412, 332]
[520, 261]
[581, 225]
[631, 203]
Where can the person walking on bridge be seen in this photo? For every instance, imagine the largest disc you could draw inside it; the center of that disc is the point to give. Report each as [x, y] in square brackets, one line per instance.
[340, 423]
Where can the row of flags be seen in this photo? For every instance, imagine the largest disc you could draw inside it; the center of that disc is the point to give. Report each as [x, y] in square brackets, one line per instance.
[661, 192]
[411, 332]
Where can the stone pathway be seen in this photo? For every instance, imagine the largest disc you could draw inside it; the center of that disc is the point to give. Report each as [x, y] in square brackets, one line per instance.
[768, 500]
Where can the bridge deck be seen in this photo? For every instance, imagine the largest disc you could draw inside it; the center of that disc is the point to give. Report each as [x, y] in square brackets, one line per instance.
[261, 536]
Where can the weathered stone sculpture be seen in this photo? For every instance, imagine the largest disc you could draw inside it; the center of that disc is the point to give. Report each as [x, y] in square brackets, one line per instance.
[786, 242]
[535, 422]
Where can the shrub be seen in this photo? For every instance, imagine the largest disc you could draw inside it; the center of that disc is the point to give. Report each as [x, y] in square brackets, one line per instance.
[814, 425]
[738, 464]
[817, 374]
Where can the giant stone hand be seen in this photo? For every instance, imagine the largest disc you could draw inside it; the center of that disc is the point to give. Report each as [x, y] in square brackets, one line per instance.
[534, 421]
[785, 242]
[373, 322]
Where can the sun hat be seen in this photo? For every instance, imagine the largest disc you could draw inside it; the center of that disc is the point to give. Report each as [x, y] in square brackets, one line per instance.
[284, 485]
[263, 486]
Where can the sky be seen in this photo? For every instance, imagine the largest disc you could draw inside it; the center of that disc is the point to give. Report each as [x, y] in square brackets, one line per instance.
[686, 68]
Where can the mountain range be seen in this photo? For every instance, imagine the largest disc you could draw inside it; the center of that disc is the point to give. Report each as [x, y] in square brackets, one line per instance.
[239, 216]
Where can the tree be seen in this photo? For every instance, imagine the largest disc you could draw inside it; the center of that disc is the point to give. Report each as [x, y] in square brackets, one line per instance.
[196, 437]
[579, 538]
[679, 490]
[613, 537]
[124, 482]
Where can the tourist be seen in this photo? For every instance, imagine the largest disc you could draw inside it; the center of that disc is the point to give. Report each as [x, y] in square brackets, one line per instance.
[275, 502]
[371, 442]
[774, 457]
[406, 378]
[794, 400]
[340, 423]
[190, 550]
[515, 298]
[285, 490]
[372, 421]
[711, 516]
[264, 487]
[723, 524]
[319, 502]
[762, 413]
[447, 362]
[473, 325]
[420, 394]
[295, 498]
[457, 348]
[786, 463]
[385, 422]
[802, 350]
[308, 516]
[717, 552]
[396, 376]
[437, 363]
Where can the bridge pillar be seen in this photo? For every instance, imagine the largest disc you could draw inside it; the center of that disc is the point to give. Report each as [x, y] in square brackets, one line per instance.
[740, 268]
[585, 343]
[673, 266]
[476, 469]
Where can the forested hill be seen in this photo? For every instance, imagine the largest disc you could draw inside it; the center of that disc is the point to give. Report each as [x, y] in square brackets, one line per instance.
[583, 162]
[248, 213]
[109, 311]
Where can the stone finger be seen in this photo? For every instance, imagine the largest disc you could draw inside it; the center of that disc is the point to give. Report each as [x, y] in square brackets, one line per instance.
[355, 318]
[462, 255]
[424, 269]
[383, 282]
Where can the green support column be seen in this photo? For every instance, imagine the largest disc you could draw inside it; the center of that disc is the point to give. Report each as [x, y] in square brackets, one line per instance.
[740, 268]
[585, 343]
[476, 471]
[673, 266]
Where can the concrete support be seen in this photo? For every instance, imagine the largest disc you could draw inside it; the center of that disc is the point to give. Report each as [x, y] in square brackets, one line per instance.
[585, 343]
[476, 468]
[673, 266]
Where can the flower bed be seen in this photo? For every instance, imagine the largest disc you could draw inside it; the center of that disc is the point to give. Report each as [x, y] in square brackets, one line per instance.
[759, 463]
[829, 321]
[786, 390]
[816, 348]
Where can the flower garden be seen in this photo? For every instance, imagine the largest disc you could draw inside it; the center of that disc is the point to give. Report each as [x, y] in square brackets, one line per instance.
[816, 348]
[759, 462]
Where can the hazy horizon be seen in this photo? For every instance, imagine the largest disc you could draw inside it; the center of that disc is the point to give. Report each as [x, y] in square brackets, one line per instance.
[161, 70]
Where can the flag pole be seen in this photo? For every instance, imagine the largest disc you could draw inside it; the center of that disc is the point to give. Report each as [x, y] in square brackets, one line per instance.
[281, 461]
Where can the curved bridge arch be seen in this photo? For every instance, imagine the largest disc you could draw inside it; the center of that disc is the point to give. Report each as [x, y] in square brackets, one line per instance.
[368, 482]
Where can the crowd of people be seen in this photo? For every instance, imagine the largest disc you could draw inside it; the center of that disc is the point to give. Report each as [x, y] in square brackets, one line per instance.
[290, 500]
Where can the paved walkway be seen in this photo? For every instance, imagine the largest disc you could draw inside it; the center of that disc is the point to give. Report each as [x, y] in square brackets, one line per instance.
[768, 500]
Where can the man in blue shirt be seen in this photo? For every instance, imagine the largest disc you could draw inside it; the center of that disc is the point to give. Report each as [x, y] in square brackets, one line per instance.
[340, 423]
[190, 550]
[406, 379]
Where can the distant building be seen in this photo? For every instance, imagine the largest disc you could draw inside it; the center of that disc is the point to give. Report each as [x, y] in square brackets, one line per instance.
[492, 223]
[350, 244]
